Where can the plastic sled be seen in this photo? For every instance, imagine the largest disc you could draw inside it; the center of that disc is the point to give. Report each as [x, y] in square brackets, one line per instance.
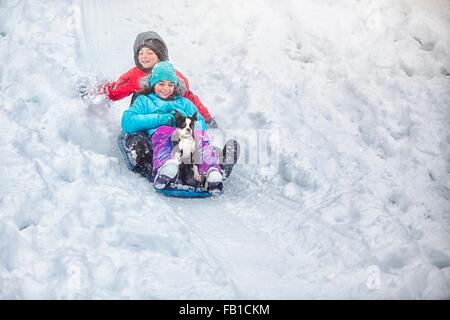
[179, 190]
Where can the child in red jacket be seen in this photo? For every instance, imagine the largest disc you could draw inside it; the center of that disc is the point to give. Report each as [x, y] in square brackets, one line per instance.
[149, 48]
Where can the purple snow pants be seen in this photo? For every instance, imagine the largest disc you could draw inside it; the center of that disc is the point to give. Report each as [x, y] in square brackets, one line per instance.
[162, 149]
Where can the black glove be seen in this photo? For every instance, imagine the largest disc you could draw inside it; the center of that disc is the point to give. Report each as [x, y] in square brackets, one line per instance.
[83, 90]
[87, 92]
[212, 123]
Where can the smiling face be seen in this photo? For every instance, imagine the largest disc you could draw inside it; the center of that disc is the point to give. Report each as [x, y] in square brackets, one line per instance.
[164, 89]
[147, 58]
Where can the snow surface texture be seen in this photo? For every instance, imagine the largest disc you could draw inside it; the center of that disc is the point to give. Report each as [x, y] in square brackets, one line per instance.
[358, 208]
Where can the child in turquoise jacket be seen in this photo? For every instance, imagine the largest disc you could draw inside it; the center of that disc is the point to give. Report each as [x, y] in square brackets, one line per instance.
[154, 114]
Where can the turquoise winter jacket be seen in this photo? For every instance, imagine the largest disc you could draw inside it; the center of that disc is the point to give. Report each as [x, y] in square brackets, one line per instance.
[146, 112]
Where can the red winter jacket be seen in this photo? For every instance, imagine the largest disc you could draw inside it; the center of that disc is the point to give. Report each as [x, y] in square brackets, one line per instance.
[129, 83]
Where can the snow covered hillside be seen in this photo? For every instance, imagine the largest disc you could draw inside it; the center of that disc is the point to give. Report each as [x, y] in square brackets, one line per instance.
[356, 203]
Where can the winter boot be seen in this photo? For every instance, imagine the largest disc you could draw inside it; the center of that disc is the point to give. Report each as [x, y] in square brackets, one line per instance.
[166, 174]
[141, 158]
[213, 180]
[231, 152]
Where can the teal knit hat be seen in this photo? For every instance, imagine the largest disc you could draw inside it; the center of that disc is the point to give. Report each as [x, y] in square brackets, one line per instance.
[163, 71]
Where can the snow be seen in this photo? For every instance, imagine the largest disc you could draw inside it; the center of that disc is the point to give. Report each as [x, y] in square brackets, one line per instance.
[356, 204]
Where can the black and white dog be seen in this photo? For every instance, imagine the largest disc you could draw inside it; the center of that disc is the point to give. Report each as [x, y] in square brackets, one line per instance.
[186, 150]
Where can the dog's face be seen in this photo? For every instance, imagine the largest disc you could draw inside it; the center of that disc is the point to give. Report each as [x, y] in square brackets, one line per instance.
[185, 125]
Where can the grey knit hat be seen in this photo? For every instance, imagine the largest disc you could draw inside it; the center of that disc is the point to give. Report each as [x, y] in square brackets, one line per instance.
[151, 40]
